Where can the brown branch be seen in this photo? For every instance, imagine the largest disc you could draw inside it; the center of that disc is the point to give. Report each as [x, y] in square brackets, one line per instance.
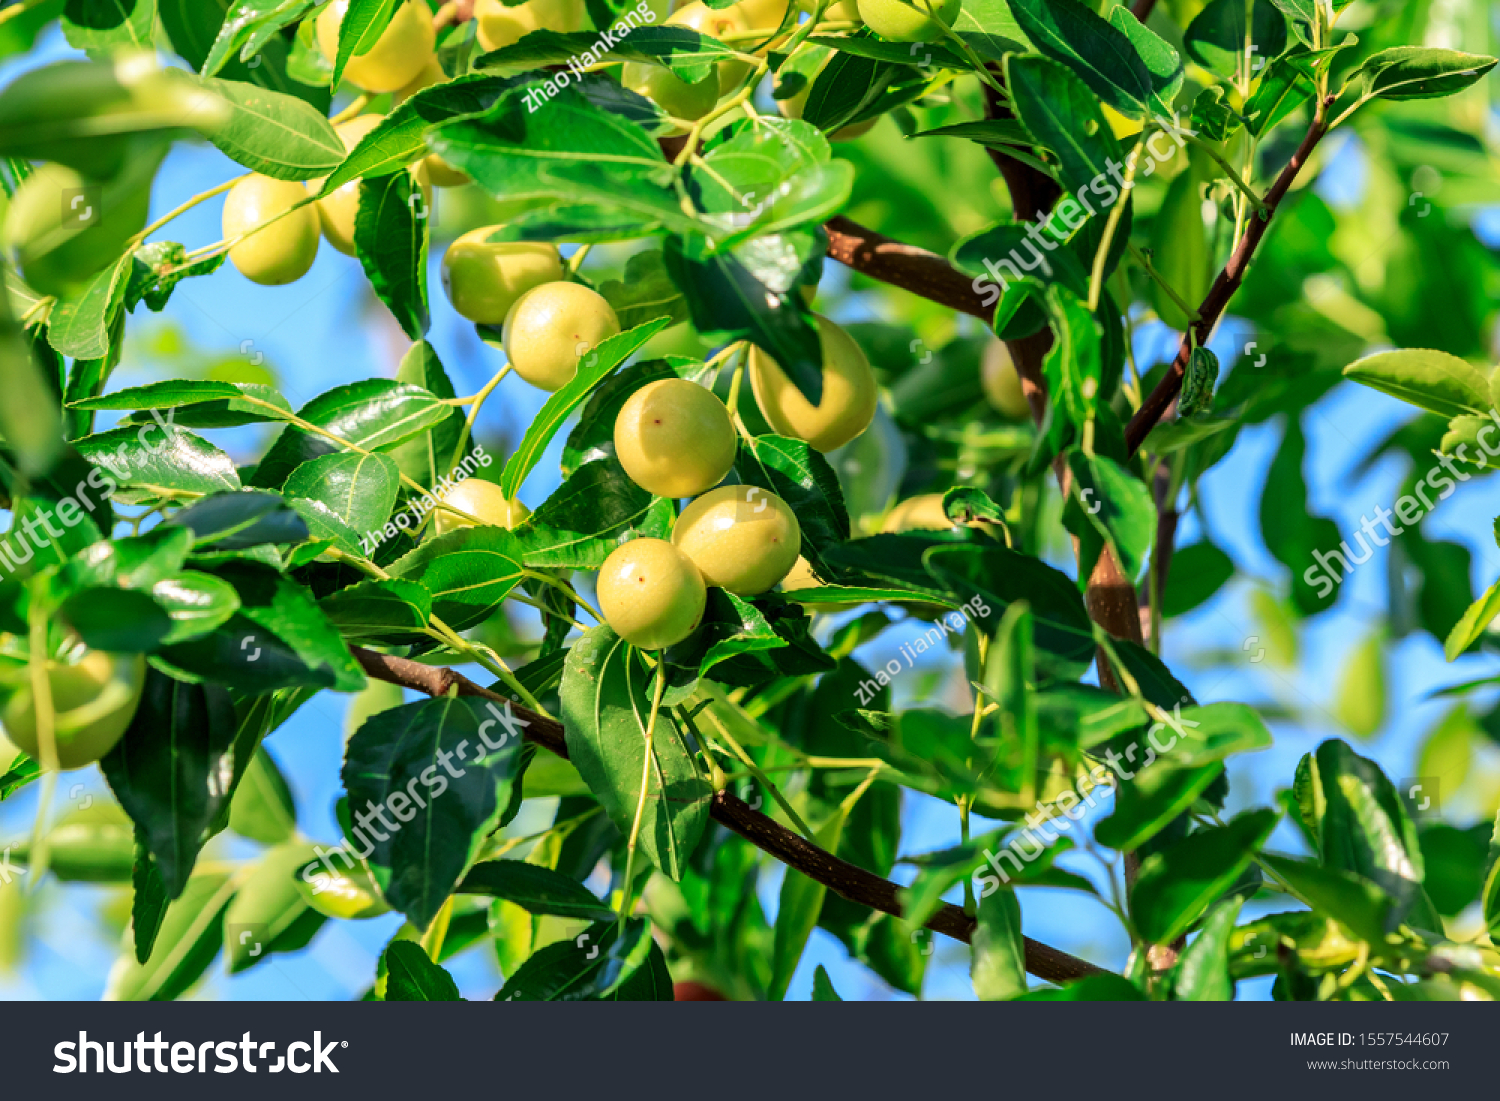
[1228, 281]
[1141, 9]
[840, 876]
[915, 269]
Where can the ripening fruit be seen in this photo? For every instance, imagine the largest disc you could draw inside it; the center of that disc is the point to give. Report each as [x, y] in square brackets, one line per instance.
[669, 91]
[719, 23]
[280, 253]
[483, 280]
[551, 327]
[336, 212]
[61, 237]
[741, 538]
[501, 26]
[400, 53]
[674, 438]
[93, 701]
[909, 20]
[1002, 385]
[923, 512]
[651, 595]
[431, 169]
[482, 500]
[849, 392]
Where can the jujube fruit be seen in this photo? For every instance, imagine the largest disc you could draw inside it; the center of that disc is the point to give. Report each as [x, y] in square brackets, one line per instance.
[501, 26]
[670, 92]
[909, 20]
[741, 538]
[650, 594]
[282, 252]
[551, 327]
[923, 512]
[1002, 384]
[336, 212]
[846, 407]
[60, 237]
[93, 701]
[482, 500]
[431, 168]
[674, 438]
[399, 54]
[484, 279]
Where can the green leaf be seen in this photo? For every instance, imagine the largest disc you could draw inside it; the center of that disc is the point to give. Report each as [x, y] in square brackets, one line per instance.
[468, 572]
[1101, 54]
[268, 913]
[262, 807]
[200, 404]
[116, 619]
[590, 967]
[1177, 885]
[93, 844]
[1420, 72]
[236, 521]
[1431, 380]
[1113, 506]
[277, 135]
[592, 512]
[1360, 698]
[99, 27]
[247, 26]
[167, 770]
[606, 698]
[30, 419]
[1195, 574]
[374, 414]
[592, 369]
[1180, 247]
[1063, 115]
[535, 889]
[823, 990]
[730, 627]
[363, 23]
[402, 761]
[149, 902]
[797, 911]
[390, 237]
[1291, 530]
[801, 477]
[689, 54]
[645, 292]
[180, 463]
[412, 977]
[359, 489]
[190, 936]
[1202, 971]
[1217, 37]
[389, 609]
[1343, 896]
[79, 326]
[998, 966]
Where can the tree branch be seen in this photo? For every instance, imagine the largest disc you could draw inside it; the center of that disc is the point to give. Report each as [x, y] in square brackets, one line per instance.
[915, 269]
[1228, 281]
[844, 878]
[1141, 9]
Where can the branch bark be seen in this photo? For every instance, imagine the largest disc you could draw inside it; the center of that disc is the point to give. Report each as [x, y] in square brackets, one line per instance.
[853, 883]
[1141, 9]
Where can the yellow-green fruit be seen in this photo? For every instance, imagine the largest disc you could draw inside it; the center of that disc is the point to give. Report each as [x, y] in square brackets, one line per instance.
[909, 20]
[921, 513]
[651, 595]
[482, 500]
[551, 327]
[674, 438]
[669, 91]
[66, 229]
[280, 253]
[93, 701]
[718, 23]
[484, 280]
[432, 168]
[336, 212]
[501, 26]
[1002, 385]
[741, 538]
[401, 52]
[849, 392]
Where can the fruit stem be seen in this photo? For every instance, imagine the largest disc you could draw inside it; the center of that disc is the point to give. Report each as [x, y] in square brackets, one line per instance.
[746, 760]
[640, 803]
[566, 589]
[1233, 176]
[228, 243]
[1145, 262]
[201, 197]
[1096, 280]
[468, 428]
[356, 105]
[734, 389]
[576, 260]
